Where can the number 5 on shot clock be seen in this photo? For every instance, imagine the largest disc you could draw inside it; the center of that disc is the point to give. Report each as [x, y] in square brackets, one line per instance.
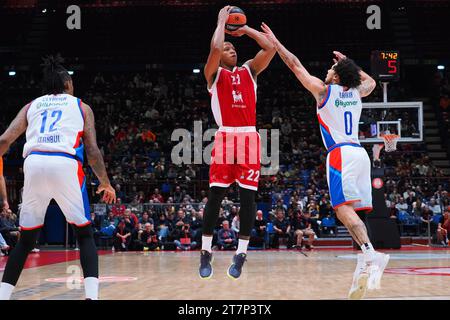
[385, 65]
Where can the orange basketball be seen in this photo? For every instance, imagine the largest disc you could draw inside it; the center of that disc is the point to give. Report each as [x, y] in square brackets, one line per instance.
[236, 19]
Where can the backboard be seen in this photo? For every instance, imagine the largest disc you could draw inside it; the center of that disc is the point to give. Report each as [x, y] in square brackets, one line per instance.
[402, 118]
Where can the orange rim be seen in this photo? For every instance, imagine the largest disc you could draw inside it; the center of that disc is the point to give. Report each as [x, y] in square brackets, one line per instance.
[390, 137]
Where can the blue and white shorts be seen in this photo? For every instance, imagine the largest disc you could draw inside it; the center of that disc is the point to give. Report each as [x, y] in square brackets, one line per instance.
[348, 176]
[56, 176]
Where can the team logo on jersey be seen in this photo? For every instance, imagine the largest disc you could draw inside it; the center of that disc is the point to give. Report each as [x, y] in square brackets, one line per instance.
[340, 103]
[237, 96]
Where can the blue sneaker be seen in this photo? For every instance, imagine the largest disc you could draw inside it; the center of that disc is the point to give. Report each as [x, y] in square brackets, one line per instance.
[235, 270]
[205, 271]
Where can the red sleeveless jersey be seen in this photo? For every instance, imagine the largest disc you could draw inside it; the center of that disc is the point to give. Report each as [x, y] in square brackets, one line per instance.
[233, 97]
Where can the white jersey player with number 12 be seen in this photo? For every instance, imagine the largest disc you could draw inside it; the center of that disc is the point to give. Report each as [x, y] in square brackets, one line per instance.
[348, 165]
[59, 128]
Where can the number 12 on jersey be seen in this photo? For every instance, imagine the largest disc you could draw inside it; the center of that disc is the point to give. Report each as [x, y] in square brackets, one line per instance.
[348, 121]
[56, 114]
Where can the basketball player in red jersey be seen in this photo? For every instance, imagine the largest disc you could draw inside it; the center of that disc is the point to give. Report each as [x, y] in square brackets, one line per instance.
[236, 153]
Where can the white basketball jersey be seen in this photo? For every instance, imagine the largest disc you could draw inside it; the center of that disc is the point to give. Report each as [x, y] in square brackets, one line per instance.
[55, 125]
[339, 115]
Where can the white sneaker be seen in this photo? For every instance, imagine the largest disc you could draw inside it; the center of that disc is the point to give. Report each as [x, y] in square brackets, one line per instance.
[378, 264]
[360, 279]
[35, 250]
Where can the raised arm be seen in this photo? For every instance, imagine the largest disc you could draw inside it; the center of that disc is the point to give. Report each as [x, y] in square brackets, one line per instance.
[212, 64]
[313, 84]
[95, 157]
[367, 85]
[264, 56]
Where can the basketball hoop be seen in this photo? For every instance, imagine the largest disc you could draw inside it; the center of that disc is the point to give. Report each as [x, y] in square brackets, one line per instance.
[390, 142]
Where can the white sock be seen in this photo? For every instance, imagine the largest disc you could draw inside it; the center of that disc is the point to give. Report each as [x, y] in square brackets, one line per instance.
[242, 246]
[207, 243]
[368, 251]
[91, 288]
[5, 291]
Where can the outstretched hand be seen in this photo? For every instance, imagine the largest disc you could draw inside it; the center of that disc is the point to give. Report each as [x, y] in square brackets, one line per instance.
[339, 56]
[269, 33]
[109, 194]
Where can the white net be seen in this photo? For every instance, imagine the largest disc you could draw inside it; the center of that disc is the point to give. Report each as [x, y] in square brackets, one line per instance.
[390, 142]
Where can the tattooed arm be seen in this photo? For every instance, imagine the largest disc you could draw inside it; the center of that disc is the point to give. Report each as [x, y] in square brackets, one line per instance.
[367, 84]
[313, 84]
[95, 157]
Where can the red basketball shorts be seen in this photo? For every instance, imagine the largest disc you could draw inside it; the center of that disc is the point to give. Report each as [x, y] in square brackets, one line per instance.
[235, 157]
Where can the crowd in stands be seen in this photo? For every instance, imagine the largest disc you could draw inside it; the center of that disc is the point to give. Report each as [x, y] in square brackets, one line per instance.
[9, 231]
[160, 204]
[177, 227]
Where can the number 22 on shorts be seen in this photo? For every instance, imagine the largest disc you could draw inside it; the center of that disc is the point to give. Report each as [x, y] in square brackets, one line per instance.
[253, 175]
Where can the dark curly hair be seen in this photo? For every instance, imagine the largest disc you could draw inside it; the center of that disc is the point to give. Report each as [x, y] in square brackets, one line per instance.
[348, 72]
[55, 75]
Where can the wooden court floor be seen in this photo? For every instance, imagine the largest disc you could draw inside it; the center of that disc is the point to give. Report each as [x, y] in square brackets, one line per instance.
[323, 274]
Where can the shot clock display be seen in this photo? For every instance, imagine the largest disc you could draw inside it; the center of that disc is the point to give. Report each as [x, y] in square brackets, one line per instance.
[385, 65]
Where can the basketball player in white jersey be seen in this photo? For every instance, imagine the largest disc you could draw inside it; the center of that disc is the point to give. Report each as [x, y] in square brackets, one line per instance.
[58, 127]
[348, 165]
